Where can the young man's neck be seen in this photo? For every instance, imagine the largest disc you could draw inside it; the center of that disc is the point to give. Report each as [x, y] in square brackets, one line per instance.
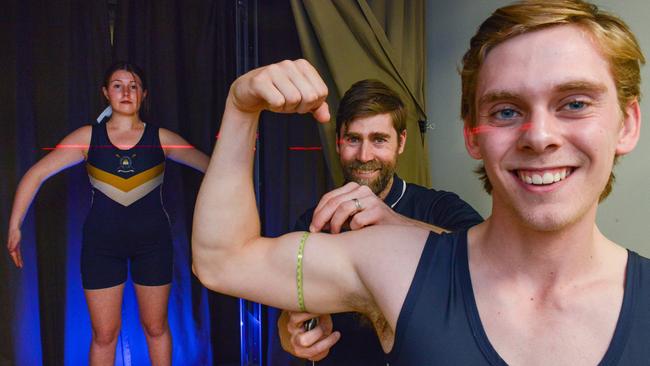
[509, 245]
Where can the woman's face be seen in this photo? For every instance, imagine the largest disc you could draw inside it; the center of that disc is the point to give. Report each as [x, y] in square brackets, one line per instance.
[124, 92]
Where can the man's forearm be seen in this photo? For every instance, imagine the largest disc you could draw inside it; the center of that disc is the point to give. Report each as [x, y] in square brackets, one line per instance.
[425, 225]
[226, 215]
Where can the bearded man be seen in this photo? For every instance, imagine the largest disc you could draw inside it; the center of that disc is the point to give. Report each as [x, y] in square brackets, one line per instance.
[371, 134]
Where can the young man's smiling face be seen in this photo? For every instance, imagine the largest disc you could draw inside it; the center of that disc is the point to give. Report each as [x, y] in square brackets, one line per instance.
[548, 126]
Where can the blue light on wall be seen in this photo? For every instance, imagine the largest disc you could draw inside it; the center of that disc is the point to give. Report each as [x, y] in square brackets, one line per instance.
[26, 328]
[250, 332]
[78, 332]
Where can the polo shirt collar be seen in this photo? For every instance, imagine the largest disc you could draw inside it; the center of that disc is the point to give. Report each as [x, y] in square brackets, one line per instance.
[396, 191]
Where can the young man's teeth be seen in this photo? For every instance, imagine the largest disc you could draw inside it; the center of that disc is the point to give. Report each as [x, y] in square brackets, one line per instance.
[546, 178]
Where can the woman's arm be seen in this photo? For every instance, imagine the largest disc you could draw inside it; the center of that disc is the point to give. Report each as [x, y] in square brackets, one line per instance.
[70, 151]
[180, 151]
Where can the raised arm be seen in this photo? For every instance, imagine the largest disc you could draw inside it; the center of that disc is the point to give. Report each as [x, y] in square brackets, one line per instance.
[341, 272]
[179, 150]
[228, 253]
[70, 151]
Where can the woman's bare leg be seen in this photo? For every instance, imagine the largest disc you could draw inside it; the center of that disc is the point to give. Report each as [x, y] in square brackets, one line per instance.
[153, 302]
[105, 307]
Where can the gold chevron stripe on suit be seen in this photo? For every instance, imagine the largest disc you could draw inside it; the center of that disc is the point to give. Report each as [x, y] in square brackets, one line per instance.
[126, 191]
[123, 184]
[126, 198]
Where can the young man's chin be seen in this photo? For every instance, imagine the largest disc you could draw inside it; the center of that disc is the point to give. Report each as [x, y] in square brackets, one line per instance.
[552, 216]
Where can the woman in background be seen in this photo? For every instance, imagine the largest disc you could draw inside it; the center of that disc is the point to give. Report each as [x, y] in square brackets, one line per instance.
[127, 226]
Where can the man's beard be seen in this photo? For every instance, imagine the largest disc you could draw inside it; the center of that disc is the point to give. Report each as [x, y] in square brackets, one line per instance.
[378, 184]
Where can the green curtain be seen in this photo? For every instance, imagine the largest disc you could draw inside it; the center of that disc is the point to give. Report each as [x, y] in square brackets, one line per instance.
[350, 40]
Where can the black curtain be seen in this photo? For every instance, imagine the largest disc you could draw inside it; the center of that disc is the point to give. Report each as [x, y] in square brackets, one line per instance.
[294, 174]
[187, 48]
[52, 66]
[53, 61]
[52, 54]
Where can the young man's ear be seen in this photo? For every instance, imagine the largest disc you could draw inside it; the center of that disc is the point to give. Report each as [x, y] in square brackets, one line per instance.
[471, 141]
[630, 129]
[401, 140]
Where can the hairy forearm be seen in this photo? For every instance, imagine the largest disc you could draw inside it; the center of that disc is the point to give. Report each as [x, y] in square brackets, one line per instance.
[424, 225]
[226, 216]
[395, 218]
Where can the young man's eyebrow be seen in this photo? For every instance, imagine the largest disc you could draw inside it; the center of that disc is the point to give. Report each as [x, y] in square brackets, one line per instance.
[498, 95]
[571, 86]
[581, 86]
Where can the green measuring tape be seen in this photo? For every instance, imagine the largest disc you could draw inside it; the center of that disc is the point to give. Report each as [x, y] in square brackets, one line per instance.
[301, 252]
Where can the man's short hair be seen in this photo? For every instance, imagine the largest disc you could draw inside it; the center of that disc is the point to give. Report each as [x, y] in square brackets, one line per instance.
[614, 38]
[367, 98]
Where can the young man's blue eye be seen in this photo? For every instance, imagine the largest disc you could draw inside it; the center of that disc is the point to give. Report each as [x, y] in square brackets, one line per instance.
[576, 105]
[507, 113]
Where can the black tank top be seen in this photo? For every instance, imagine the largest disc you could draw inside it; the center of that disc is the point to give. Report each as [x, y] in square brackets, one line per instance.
[439, 323]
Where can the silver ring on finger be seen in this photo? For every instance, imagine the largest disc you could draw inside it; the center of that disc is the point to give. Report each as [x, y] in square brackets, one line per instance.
[357, 204]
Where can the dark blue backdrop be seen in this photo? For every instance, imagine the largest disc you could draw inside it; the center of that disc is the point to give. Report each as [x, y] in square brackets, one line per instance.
[51, 73]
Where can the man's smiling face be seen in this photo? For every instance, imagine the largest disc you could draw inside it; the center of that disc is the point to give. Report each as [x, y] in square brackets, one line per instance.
[548, 126]
[368, 148]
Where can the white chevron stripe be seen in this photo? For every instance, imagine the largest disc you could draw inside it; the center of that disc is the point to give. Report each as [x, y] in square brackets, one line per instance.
[126, 198]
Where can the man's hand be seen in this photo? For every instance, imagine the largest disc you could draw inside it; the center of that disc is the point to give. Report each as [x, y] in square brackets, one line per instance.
[13, 245]
[314, 344]
[338, 207]
[285, 87]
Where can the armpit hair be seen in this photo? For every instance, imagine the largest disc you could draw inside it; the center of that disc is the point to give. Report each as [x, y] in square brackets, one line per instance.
[368, 314]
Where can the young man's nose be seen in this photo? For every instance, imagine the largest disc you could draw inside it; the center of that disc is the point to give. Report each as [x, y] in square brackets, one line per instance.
[541, 132]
